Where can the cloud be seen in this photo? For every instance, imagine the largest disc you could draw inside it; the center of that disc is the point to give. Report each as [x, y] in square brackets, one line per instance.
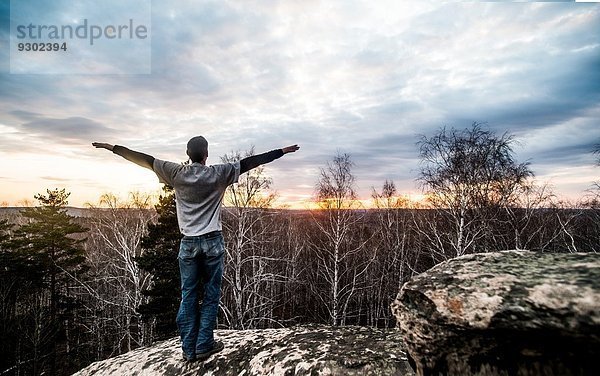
[53, 178]
[71, 129]
[31, 132]
[366, 79]
[25, 115]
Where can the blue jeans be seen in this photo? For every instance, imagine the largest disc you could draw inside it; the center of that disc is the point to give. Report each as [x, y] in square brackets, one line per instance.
[201, 268]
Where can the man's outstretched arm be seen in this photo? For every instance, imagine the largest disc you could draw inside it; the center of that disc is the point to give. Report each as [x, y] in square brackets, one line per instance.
[254, 161]
[138, 158]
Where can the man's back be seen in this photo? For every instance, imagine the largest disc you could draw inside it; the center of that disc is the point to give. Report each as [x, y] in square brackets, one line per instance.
[199, 190]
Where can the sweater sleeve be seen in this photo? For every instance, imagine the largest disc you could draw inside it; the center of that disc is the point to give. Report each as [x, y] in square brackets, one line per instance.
[138, 158]
[254, 161]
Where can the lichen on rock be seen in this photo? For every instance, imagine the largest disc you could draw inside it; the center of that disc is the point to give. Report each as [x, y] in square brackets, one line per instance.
[504, 313]
[305, 350]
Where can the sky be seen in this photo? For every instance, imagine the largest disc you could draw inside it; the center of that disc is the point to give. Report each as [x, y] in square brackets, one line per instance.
[365, 78]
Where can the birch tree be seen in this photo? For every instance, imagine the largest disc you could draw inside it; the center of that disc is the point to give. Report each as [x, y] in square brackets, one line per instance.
[468, 177]
[118, 227]
[397, 256]
[251, 256]
[341, 258]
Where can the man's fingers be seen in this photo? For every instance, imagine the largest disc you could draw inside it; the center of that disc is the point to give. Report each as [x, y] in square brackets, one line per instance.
[102, 145]
[291, 149]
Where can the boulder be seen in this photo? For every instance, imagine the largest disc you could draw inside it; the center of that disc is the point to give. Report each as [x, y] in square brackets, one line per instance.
[504, 313]
[314, 350]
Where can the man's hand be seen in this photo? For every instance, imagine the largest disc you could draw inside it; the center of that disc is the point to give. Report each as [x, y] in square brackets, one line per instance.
[102, 145]
[290, 149]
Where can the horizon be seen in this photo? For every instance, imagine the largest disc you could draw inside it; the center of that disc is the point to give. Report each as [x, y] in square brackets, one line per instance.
[359, 78]
[362, 204]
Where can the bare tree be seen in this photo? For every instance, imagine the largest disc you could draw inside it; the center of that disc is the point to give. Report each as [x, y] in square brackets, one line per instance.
[117, 228]
[592, 202]
[342, 261]
[397, 256]
[529, 222]
[251, 256]
[587, 225]
[468, 176]
[582, 227]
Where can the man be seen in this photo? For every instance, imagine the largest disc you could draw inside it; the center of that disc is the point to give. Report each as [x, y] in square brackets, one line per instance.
[199, 191]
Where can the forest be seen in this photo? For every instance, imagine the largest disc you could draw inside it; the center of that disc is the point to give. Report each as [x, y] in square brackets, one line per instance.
[82, 285]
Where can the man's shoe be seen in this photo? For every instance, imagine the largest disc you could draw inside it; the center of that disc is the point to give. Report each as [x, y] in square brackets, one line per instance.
[218, 346]
[187, 358]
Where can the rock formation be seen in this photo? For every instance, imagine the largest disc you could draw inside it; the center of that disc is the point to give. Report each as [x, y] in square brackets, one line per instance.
[504, 313]
[316, 350]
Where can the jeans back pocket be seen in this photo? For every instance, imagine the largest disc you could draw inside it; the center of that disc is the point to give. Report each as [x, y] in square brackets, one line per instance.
[215, 246]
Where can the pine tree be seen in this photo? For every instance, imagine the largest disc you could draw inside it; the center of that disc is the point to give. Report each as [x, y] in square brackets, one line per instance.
[11, 283]
[50, 244]
[20, 278]
[161, 247]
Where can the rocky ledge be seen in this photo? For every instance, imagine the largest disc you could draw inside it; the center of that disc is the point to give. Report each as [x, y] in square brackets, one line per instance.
[316, 350]
[504, 313]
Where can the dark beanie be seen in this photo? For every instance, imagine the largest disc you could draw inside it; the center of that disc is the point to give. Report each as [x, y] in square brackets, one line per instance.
[197, 148]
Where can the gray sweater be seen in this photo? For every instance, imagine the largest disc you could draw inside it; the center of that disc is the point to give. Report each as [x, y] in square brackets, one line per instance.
[199, 189]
